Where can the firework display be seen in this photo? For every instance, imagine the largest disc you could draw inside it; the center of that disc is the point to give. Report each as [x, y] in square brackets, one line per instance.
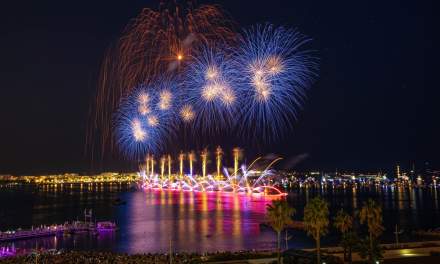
[250, 84]
[245, 180]
[182, 70]
[157, 41]
[254, 89]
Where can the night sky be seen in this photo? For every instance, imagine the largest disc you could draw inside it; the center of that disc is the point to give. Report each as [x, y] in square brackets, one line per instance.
[374, 104]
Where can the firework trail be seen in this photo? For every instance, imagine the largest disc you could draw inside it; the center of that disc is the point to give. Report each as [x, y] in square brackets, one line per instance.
[155, 42]
[274, 73]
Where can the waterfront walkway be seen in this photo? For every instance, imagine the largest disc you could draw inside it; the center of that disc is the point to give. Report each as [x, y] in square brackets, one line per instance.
[392, 251]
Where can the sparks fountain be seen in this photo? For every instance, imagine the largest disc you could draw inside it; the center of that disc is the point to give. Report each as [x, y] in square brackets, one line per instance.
[157, 174]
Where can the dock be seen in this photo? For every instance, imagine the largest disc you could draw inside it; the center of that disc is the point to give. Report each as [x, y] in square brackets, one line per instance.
[67, 228]
[53, 230]
[45, 231]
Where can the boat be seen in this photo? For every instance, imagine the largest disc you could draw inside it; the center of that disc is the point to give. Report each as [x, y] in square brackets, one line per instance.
[106, 226]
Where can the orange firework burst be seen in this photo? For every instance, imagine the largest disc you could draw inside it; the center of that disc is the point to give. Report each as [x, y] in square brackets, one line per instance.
[155, 42]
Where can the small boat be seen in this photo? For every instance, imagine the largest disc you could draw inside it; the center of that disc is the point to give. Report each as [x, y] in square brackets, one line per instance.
[106, 226]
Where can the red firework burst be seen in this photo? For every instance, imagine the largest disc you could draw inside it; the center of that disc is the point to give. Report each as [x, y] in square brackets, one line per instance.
[155, 42]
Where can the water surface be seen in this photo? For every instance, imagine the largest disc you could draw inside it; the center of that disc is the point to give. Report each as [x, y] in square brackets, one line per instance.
[152, 221]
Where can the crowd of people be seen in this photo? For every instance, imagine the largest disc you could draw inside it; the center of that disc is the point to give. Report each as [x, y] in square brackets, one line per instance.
[74, 257]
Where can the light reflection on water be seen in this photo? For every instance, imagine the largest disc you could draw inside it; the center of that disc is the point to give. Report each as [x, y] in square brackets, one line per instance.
[211, 221]
[193, 222]
[148, 222]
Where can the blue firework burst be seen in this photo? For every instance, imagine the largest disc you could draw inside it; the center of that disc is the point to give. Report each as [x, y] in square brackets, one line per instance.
[146, 119]
[210, 91]
[275, 72]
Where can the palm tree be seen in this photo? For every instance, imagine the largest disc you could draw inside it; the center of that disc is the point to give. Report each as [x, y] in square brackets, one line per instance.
[371, 214]
[316, 221]
[344, 223]
[279, 215]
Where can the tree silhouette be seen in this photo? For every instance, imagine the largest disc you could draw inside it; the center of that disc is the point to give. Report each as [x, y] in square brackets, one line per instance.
[371, 214]
[279, 215]
[316, 221]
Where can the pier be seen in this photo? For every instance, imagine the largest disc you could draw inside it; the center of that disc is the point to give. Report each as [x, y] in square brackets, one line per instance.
[46, 231]
[67, 228]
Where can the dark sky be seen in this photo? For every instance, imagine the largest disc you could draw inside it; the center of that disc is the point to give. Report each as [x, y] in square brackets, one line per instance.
[373, 106]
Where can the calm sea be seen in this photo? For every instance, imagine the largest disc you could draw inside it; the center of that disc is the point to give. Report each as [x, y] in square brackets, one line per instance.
[152, 221]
